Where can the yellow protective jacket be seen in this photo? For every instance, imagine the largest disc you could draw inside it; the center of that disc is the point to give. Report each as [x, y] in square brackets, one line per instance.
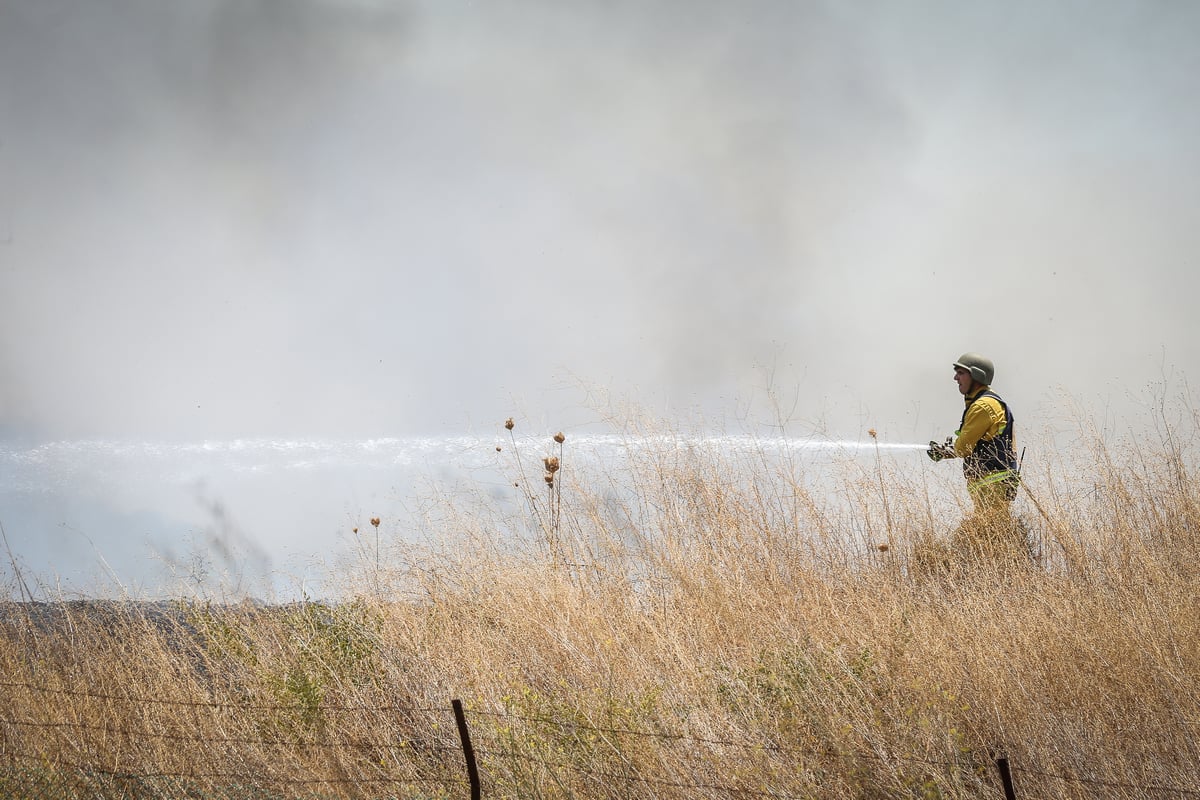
[986, 441]
[984, 421]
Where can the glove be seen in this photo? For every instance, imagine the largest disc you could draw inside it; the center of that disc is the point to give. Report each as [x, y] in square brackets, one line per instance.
[937, 452]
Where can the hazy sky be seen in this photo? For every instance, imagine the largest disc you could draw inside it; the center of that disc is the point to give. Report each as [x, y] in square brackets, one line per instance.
[327, 217]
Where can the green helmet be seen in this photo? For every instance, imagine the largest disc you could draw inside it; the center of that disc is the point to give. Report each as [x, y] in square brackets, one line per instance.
[982, 370]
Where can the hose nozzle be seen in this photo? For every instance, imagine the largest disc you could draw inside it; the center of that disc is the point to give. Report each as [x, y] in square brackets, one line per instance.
[937, 452]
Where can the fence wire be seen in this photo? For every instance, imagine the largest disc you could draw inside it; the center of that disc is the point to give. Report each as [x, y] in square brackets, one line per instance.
[48, 773]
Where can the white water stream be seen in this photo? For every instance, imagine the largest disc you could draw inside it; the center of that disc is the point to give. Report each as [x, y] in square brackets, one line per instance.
[103, 517]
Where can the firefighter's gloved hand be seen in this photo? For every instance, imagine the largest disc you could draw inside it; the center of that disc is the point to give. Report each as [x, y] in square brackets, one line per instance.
[937, 452]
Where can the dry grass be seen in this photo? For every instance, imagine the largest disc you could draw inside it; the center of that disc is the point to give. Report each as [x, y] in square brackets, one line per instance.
[702, 623]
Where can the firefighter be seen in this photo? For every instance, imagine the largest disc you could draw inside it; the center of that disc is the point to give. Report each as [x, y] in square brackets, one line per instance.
[985, 441]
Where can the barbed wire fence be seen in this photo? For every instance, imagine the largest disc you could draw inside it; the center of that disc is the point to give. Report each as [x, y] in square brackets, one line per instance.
[445, 764]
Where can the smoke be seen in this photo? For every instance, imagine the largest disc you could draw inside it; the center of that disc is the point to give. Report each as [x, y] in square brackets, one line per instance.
[361, 218]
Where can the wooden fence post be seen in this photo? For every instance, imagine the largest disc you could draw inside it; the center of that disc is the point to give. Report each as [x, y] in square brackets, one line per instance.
[1006, 778]
[468, 751]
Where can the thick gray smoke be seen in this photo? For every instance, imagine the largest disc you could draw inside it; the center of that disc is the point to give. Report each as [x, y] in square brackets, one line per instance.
[232, 218]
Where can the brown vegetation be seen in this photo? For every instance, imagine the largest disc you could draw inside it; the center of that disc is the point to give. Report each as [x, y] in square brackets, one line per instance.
[705, 624]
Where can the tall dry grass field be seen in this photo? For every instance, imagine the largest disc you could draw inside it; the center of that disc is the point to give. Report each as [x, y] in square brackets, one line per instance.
[698, 623]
